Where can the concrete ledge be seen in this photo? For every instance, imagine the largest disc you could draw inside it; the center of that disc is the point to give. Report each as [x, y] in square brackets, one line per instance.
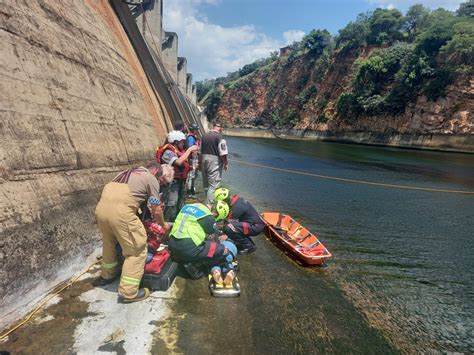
[441, 142]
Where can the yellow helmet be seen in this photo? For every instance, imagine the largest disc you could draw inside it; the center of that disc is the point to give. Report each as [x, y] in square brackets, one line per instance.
[222, 210]
[221, 194]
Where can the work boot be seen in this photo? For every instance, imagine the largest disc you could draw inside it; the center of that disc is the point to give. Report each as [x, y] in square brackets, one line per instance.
[248, 250]
[100, 281]
[142, 294]
[229, 278]
[194, 272]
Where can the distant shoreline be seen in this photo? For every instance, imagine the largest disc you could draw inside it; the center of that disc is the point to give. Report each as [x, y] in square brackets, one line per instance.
[436, 142]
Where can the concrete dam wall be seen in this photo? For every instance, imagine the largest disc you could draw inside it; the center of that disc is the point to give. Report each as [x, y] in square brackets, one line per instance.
[76, 108]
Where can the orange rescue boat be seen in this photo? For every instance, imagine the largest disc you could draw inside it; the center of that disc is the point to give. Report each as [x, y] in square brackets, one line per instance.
[296, 238]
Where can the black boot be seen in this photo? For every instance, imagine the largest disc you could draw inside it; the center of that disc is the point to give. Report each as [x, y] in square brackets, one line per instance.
[194, 272]
[100, 281]
[142, 294]
[246, 246]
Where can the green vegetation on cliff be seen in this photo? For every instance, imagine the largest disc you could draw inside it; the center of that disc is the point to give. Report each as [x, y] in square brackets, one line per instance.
[376, 66]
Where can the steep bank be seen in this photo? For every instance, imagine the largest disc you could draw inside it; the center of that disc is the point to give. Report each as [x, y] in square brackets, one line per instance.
[384, 78]
[76, 108]
[443, 142]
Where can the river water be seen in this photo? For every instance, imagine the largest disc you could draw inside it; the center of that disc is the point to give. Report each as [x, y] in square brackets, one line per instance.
[403, 258]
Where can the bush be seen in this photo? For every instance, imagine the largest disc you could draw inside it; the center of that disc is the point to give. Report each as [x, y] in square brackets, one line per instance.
[246, 99]
[322, 118]
[354, 35]
[380, 68]
[303, 97]
[317, 41]
[372, 105]
[384, 26]
[291, 117]
[346, 105]
[212, 106]
[459, 50]
[276, 120]
[437, 34]
[437, 86]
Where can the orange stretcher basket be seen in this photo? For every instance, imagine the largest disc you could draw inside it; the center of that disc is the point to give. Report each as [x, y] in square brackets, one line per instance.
[295, 238]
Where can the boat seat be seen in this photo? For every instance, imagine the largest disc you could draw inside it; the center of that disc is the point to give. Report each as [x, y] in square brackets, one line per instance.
[312, 245]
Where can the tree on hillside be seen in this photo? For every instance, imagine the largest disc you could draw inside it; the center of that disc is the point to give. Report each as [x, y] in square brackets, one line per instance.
[212, 105]
[354, 35]
[316, 41]
[439, 31]
[203, 87]
[415, 20]
[466, 9]
[459, 50]
[385, 26]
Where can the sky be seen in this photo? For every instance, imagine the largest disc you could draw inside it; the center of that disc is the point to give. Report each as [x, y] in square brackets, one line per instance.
[221, 36]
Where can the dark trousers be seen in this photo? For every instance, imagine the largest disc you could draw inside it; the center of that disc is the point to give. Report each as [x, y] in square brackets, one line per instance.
[240, 233]
[185, 251]
[174, 199]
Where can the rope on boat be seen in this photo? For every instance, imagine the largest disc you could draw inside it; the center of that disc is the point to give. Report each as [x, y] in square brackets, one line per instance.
[354, 181]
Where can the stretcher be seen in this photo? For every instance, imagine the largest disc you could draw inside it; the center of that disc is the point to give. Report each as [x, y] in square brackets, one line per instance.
[223, 290]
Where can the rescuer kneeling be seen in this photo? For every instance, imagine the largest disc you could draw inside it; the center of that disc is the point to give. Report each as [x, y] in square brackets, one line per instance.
[188, 243]
[243, 221]
[117, 218]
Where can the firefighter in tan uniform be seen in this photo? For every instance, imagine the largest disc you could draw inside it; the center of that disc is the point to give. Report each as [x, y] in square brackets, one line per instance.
[118, 222]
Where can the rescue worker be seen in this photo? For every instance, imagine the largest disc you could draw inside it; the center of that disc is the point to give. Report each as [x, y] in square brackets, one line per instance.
[192, 139]
[174, 154]
[243, 221]
[214, 160]
[118, 222]
[187, 242]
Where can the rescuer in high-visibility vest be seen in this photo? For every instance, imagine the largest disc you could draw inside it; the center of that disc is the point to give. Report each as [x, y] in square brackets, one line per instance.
[188, 243]
[174, 154]
[118, 222]
[243, 221]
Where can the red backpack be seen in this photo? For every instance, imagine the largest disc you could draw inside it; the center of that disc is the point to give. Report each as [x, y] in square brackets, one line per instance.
[157, 263]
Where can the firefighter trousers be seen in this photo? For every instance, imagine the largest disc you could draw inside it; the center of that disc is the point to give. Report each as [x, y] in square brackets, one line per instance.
[118, 222]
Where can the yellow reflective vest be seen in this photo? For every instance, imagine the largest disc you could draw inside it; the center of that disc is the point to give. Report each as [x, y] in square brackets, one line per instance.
[186, 224]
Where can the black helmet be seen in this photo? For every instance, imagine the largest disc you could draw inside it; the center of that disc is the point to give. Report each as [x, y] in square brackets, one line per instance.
[194, 126]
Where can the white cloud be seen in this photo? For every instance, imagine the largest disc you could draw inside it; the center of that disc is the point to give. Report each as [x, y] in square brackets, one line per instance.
[213, 50]
[293, 36]
[405, 4]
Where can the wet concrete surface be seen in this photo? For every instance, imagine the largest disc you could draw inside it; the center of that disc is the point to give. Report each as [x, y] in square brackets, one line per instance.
[283, 307]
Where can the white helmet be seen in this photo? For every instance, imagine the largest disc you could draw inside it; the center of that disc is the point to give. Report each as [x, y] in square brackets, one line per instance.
[176, 136]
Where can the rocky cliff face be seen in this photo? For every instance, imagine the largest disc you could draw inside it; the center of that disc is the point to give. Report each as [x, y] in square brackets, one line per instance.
[76, 108]
[304, 93]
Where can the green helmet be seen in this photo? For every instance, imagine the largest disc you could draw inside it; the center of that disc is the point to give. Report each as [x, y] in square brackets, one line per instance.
[222, 210]
[221, 194]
